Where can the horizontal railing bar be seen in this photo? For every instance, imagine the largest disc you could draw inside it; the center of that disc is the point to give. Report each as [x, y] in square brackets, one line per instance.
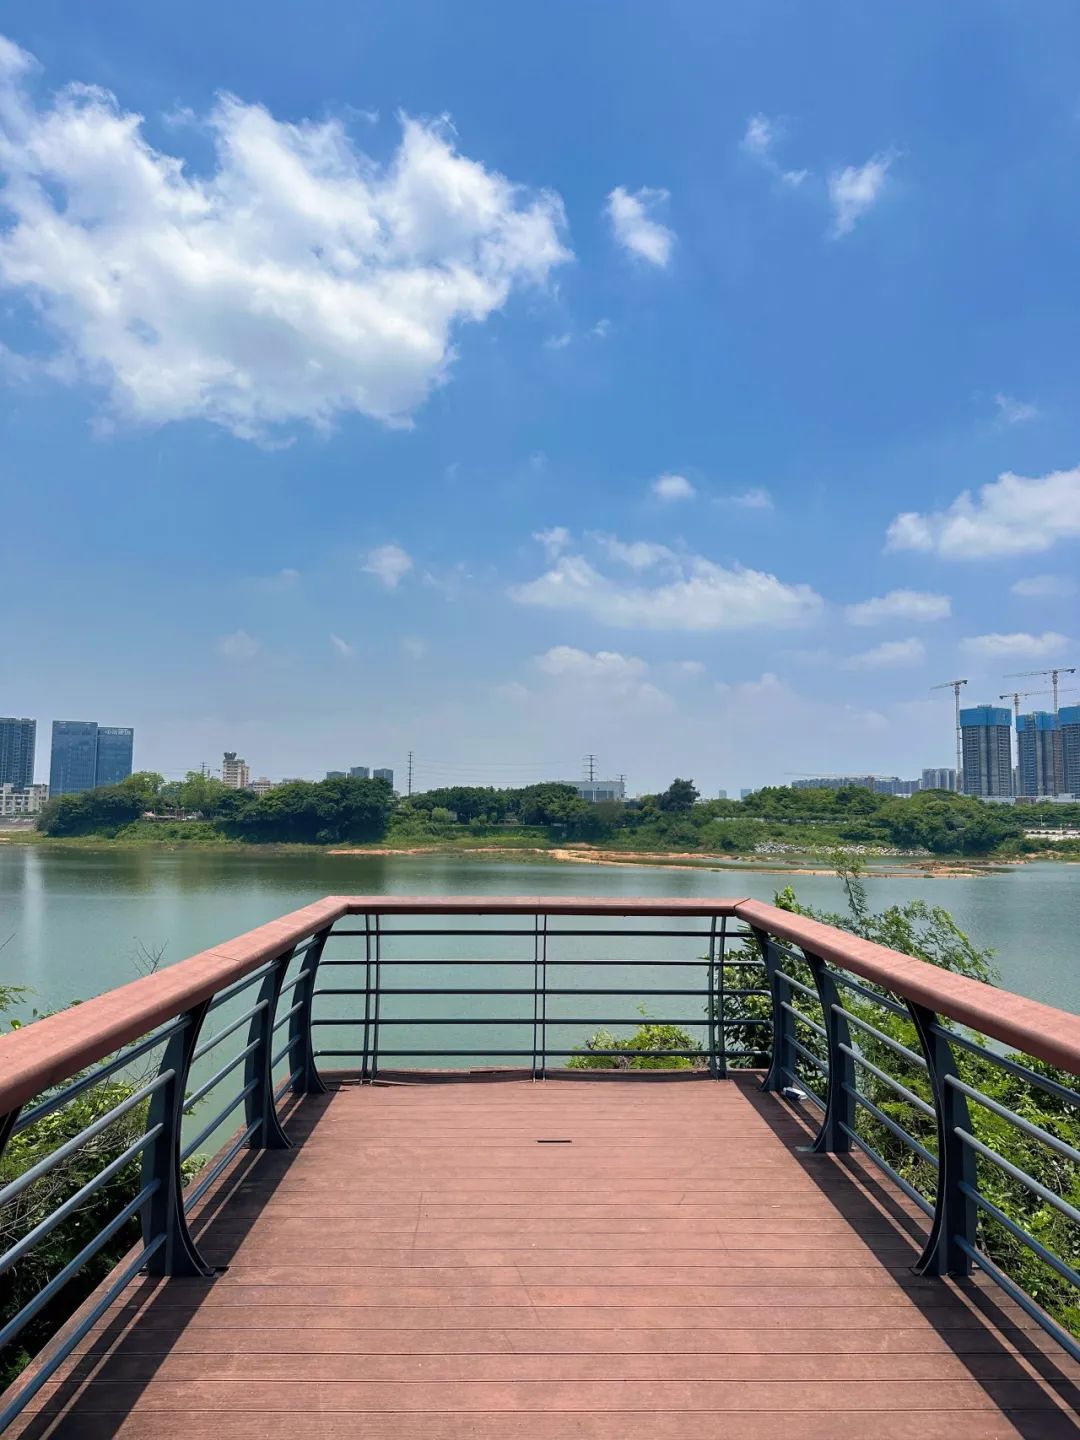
[244, 984]
[798, 985]
[280, 1091]
[627, 962]
[60, 1279]
[193, 1099]
[1035, 1131]
[804, 1085]
[883, 1075]
[693, 1021]
[1067, 1342]
[879, 1160]
[549, 991]
[665, 1053]
[291, 984]
[1020, 1176]
[804, 1019]
[287, 1015]
[909, 1055]
[1036, 1247]
[87, 1082]
[208, 1045]
[281, 1054]
[33, 1238]
[864, 990]
[39, 1378]
[890, 1124]
[207, 1130]
[1003, 1062]
[219, 1165]
[90, 1132]
[808, 1055]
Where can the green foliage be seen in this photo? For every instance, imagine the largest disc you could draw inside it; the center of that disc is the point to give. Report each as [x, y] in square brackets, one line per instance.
[92, 812]
[680, 795]
[652, 1045]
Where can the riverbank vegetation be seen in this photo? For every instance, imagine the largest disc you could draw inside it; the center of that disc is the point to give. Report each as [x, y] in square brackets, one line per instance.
[145, 809]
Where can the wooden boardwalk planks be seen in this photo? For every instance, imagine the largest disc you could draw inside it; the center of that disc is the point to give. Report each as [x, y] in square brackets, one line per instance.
[420, 1268]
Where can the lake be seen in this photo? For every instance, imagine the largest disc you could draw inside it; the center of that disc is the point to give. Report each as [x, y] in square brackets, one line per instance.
[72, 922]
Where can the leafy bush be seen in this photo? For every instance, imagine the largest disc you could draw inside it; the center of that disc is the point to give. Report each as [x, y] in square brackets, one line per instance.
[652, 1045]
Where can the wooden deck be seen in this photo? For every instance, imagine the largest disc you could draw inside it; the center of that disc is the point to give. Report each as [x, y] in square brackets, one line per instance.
[421, 1267]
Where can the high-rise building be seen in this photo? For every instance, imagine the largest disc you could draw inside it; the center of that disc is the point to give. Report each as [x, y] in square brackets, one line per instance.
[1038, 749]
[721, 794]
[383, 775]
[1069, 731]
[335, 775]
[73, 762]
[17, 742]
[114, 749]
[745, 792]
[986, 740]
[235, 772]
[359, 772]
[940, 777]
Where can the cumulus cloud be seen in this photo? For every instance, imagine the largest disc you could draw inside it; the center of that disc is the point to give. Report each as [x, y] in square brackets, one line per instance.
[388, 563]
[239, 645]
[1047, 646]
[759, 141]
[342, 647]
[673, 487]
[554, 540]
[635, 227]
[755, 498]
[1013, 515]
[294, 279]
[855, 189]
[690, 592]
[605, 673]
[1044, 587]
[1013, 411]
[892, 652]
[899, 605]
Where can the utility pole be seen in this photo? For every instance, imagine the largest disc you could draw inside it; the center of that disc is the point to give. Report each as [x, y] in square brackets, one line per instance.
[409, 786]
[954, 686]
[590, 767]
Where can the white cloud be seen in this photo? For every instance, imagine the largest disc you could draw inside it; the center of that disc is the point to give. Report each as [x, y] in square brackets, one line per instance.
[892, 652]
[1015, 412]
[604, 673]
[759, 141]
[239, 645]
[637, 554]
[1013, 515]
[693, 594]
[1044, 587]
[899, 605]
[755, 498]
[673, 487]
[295, 279]
[554, 540]
[389, 563]
[342, 647]
[853, 190]
[559, 342]
[1047, 646]
[635, 227]
[602, 329]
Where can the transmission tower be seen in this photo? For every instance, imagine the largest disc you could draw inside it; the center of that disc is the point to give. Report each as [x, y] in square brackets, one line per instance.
[590, 767]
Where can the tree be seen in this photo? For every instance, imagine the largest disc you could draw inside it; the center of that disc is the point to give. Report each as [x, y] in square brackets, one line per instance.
[680, 795]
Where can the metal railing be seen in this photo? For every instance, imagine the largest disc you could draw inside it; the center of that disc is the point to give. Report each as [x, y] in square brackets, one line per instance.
[890, 1050]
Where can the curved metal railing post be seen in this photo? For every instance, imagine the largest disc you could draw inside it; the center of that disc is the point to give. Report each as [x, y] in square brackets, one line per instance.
[833, 1137]
[259, 1107]
[163, 1213]
[783, 1024]
[301, 1045]
[955, 1213]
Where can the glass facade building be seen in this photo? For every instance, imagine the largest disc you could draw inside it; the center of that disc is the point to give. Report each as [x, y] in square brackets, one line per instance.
[1069, 731]
[114, 747]
[986, 739]
[1038, 754]
[73, 765]
[17, 742]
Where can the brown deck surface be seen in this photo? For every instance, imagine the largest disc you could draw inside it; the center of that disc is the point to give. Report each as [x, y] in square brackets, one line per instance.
[419, 1267]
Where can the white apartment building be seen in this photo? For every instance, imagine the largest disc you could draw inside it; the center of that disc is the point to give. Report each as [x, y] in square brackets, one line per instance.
[235, 773]
[22, 801]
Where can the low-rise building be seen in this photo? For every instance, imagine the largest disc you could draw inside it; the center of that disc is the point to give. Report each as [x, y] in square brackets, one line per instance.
[262, 786]
[16, 800]
[596, 790]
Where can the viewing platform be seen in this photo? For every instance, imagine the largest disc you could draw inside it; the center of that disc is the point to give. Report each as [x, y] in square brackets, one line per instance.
[418, 1224]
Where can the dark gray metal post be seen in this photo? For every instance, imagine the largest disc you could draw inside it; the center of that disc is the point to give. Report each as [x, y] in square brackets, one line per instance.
[259, 1103]
[955, 1214]
[783, 1026]
[301, 1046]
[163, 1213]
[840, 1102]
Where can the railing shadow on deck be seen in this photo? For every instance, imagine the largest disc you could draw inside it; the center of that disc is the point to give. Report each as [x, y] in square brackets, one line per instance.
[866, 1199]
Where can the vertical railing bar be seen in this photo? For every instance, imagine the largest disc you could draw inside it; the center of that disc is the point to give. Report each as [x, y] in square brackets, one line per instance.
[955, 1213]
[711, 1011]
[303, 1072]
[377, 936]
[543, 997]
[259, 1105]
[367, 997]
[536, 997]
[839, 1123]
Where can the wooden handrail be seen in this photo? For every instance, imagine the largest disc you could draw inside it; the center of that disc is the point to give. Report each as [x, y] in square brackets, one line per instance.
[1038, 1030]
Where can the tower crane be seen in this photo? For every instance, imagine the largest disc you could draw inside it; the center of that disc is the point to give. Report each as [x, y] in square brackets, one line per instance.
[1017, 695]
[1053, 673]
[954, 686]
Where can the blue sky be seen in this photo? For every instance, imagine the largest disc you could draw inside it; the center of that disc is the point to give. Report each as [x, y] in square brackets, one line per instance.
[690, 384]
